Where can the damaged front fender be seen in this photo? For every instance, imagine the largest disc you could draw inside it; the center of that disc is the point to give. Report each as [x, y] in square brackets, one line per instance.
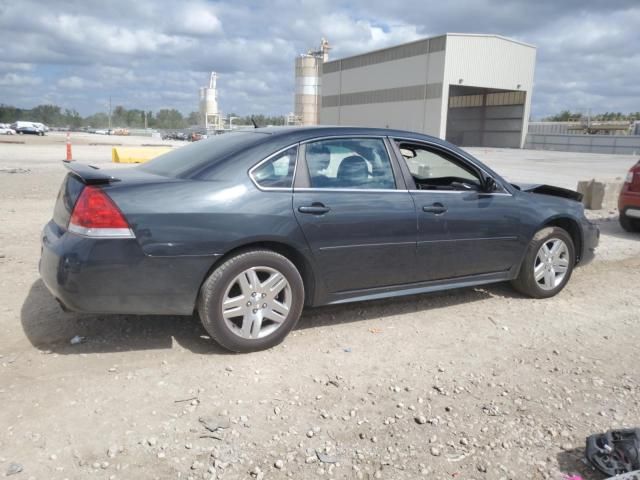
[549, 190]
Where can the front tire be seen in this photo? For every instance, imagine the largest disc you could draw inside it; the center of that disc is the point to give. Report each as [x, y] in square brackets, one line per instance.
[547, 265]
[631, 225]
[251, 301]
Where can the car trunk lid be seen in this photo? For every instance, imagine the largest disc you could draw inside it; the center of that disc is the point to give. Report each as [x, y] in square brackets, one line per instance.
[82, 175]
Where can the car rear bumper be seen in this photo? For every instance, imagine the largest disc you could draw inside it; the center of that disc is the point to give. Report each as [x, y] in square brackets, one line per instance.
[115, 276]
[590, 240]
[629, 203]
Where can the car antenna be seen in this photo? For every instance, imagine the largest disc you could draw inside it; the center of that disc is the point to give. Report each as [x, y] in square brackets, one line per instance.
[253, 120]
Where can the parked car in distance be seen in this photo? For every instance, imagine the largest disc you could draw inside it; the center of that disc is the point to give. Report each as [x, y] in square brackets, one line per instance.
[175, 136]
[6, 130]
[28, 128]
[248, 227]
[629, 200]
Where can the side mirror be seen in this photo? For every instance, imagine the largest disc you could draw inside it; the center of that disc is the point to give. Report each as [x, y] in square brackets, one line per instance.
[490, 185]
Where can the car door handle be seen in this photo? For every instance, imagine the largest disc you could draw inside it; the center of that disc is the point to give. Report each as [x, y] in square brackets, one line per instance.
[436, 208]
[314, 209]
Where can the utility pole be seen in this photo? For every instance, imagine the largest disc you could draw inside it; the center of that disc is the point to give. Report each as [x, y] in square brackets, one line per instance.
[145, 119]
[109, 114]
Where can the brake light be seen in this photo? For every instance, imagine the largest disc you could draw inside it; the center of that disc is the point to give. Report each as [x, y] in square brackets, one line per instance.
[629, 177]
[95, 215]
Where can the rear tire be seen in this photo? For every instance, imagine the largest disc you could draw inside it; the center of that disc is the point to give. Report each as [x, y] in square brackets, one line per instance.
[251, 301]
[631, 225]
[547, 265]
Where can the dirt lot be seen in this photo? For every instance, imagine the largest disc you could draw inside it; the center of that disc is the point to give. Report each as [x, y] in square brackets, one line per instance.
[473, 384]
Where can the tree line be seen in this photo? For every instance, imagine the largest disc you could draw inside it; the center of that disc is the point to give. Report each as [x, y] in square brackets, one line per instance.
[166, 118]
[567, 115]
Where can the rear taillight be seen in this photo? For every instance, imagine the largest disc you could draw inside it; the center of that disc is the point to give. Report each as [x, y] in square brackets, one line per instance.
[632, 180]
[95, 215]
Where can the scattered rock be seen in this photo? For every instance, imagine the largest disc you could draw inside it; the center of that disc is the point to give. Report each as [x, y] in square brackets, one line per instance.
[112, 451]
[14, 468]
[213, 424]
[326, 458]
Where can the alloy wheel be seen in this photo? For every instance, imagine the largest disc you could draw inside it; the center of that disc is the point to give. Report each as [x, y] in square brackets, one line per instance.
[551, 264]
[256, 302]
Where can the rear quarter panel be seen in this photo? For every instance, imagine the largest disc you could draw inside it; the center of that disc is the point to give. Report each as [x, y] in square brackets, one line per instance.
[206, 217]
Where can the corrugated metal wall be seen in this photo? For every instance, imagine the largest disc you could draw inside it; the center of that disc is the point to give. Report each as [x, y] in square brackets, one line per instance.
[612, 144]
[550, 127]
[485, 118]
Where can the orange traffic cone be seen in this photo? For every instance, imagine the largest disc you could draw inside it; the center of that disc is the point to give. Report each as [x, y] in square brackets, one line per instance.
[69, 156]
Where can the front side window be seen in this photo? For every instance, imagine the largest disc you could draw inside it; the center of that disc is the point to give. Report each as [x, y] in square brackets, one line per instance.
[361, 163]
[434, 170]
[277, 172]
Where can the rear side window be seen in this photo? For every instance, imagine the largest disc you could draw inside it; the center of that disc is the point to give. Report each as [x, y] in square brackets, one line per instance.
[361, 163]
[277, 172]
[182, 160]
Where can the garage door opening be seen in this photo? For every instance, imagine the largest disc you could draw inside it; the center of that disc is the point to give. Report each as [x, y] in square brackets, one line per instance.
[484, 117]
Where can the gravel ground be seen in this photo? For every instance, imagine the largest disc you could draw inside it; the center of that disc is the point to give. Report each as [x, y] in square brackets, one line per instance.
[475, 383]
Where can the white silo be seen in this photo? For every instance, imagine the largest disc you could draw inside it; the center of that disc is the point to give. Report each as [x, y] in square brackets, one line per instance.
[209, 114]
[308, 84]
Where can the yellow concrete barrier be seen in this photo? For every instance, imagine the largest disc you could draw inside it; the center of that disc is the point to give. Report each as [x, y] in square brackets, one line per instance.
[136, 155]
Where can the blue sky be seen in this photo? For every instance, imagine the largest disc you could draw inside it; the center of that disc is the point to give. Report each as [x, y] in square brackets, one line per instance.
[154, 54]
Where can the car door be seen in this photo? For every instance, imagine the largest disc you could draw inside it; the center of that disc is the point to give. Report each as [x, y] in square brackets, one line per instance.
[356, 213]
[463, 230]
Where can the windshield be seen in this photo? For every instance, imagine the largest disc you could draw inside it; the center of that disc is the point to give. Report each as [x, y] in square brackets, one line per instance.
[179, 161]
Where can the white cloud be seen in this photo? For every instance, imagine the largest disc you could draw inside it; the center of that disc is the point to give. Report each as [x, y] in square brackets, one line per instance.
[72, 82]
[15, 67]
[198, 20]
[17, 80]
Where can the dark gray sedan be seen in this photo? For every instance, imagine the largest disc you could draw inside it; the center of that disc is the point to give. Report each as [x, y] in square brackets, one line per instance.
[248, 227]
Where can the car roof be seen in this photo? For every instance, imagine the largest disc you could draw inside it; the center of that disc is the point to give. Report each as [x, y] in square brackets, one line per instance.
[309, 132]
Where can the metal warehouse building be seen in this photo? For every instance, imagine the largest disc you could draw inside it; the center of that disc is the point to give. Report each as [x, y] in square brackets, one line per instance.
[473, 90]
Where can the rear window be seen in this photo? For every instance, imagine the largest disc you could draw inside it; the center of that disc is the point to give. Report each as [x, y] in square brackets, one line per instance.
[180, 161]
